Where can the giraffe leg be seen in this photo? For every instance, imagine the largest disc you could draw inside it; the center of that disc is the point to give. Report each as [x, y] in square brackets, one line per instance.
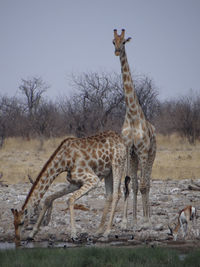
[117, 173]
[125, 205]
[48, 203]
[47, 217]
[146, 179]
[109, 190]
[90, 182]
[145, 200]
[134, 178]
[144, 189]
[146, 168]
[132, 173]
[126, 189]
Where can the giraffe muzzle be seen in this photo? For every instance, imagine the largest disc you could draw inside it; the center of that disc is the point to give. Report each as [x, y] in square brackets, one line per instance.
[117, 52]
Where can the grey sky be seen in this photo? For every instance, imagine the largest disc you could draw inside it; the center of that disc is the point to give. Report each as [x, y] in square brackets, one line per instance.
[54, 38]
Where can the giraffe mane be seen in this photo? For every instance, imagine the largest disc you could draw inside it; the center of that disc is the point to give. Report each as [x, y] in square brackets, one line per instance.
[42, 171]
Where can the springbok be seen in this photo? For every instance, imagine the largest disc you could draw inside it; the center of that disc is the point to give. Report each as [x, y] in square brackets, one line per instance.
[185, 216]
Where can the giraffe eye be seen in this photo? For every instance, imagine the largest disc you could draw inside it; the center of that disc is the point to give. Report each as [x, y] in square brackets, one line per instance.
[113, 42]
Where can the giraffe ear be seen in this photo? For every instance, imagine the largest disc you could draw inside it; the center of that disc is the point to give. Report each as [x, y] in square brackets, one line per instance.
[128, 39]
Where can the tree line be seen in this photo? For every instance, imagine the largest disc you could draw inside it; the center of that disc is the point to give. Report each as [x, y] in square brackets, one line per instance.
[96, 104]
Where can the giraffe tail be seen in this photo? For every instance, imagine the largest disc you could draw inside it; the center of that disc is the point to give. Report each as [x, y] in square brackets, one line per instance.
[126, 187]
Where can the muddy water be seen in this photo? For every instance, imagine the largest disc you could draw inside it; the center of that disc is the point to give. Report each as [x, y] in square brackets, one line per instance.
[182, 247]
[7, 245]
[45, 244]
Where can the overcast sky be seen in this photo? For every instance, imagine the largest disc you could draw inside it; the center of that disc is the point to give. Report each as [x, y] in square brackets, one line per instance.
[54, 38]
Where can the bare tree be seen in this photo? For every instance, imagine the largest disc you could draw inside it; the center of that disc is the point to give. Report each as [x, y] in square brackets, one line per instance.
[11, 117]
[33, 90]
[96, 103]
[147, 95]
[181, 115]
[187, 117]
[99, 101]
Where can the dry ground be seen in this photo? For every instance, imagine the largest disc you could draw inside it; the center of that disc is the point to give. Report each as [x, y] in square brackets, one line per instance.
[175, 159]
[177, 162]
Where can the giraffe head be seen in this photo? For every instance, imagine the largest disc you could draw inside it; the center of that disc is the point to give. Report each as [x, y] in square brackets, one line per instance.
[119, 41]
[19, 223]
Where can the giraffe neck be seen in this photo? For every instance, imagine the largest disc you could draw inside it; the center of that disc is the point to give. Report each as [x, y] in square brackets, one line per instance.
[53, 167]
[133, 108]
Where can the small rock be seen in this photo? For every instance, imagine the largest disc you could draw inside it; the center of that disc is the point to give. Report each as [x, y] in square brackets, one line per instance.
[175, 190]
[158, 227]
[144, 226]
[118, 220]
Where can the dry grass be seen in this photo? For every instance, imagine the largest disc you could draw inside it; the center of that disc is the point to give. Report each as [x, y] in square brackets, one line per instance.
[20, 157]
[175, 159]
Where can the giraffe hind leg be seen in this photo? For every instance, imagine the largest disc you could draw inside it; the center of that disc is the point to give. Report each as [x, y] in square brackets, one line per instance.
[125, 207]
[146, 168]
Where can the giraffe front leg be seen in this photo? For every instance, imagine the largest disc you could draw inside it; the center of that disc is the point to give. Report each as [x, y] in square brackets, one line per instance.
[47, 216]
[109, 190]
[39, 220]
[117, 173]
[108, 201]
[48, 204]
[124, 219]
[113, 208]
[90, 182]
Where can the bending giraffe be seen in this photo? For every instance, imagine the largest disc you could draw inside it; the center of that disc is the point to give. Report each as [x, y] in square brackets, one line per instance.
[86, 161]
[138, 134]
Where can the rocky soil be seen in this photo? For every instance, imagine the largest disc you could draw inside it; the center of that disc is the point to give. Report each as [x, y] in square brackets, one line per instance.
[167, 198]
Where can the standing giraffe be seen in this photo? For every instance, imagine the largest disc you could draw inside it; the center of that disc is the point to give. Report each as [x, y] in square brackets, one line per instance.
[86, 161]
[138, 134]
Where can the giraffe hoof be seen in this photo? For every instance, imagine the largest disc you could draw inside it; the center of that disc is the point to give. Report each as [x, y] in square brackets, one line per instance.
[75, 239]
[123, 225]
[99, 232]
[106, 234]
[103, 239]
